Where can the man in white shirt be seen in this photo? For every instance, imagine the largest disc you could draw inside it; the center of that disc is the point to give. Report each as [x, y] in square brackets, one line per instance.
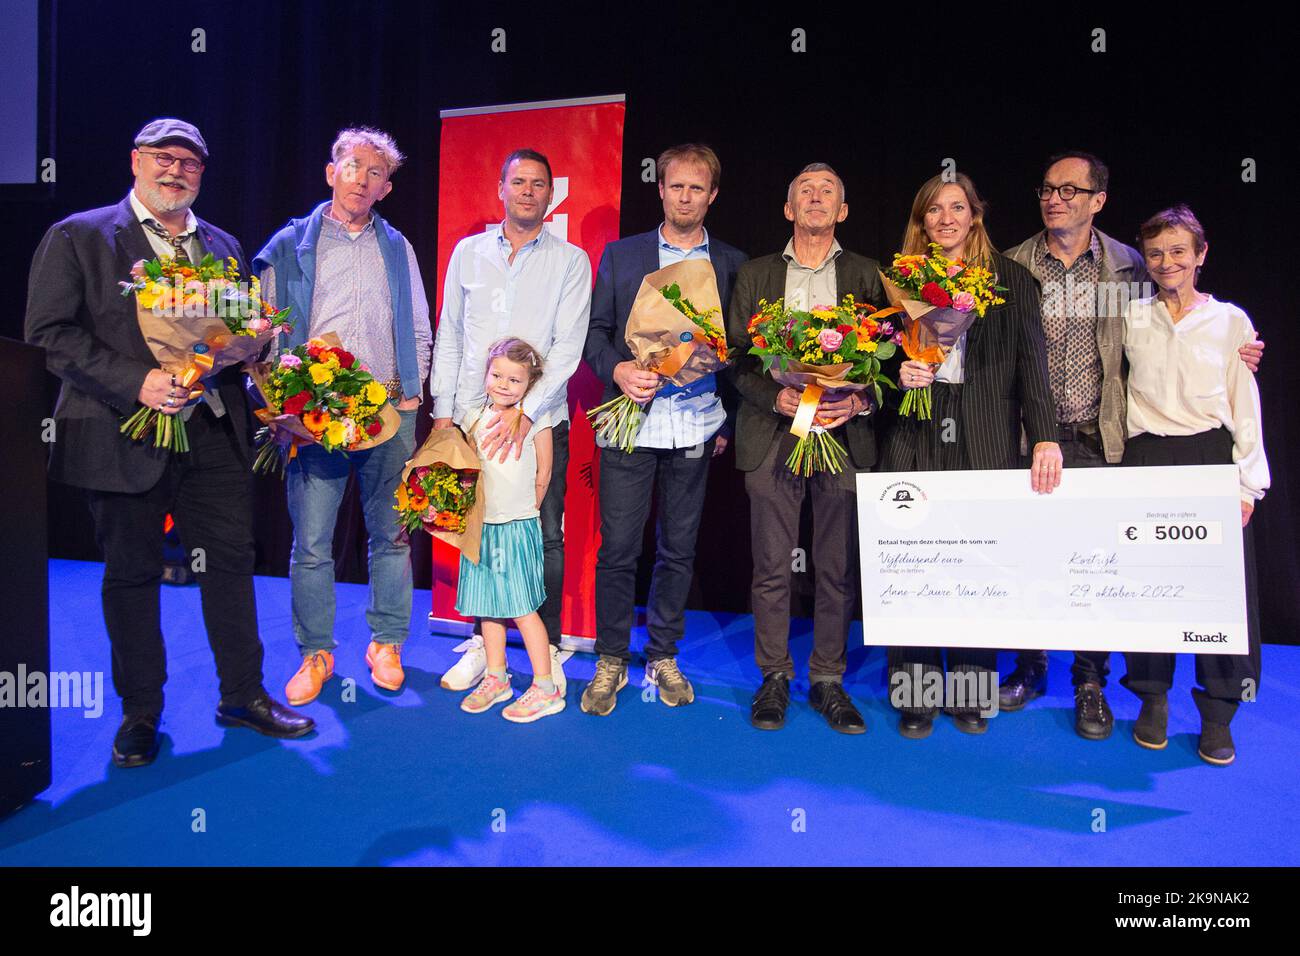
[516, 280]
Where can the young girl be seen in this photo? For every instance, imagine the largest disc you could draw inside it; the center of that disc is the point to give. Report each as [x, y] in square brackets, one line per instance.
[506, 584]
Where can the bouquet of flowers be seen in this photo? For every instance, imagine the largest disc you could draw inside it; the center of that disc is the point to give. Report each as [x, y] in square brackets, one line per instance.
[440, 492]
[318, 393]
[940, 298]
[674, 329]
[830, 348]
[196, 320]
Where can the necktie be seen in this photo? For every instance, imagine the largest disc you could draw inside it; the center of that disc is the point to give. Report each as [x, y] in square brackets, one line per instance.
[177, 242]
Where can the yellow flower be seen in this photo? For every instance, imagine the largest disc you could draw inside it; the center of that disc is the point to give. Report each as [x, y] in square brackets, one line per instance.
[868, 347]
[150, 294]
[375, 393]
[321, 374]
[335, 433]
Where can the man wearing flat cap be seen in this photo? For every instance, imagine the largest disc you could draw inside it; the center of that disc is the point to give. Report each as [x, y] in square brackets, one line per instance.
[92, 340]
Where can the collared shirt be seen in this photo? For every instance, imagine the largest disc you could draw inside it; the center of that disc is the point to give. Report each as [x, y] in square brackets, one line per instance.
[1186, 377]
[1069, 307]
[351, 298]
[682, 419]
[161, 247]
[809, 286]
[542, 297]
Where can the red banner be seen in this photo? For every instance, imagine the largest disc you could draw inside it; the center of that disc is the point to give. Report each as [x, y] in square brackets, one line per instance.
[583, 139]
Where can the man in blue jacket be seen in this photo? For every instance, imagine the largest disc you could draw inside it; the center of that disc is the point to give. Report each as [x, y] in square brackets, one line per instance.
[344, 269]
[681, 431]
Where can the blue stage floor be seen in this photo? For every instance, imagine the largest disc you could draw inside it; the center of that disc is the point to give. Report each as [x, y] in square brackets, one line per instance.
[409, 779]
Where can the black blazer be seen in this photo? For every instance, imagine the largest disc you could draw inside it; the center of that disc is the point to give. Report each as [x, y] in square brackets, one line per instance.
[623, 265]
[1005, 376]
[757, 426]
[77, 313]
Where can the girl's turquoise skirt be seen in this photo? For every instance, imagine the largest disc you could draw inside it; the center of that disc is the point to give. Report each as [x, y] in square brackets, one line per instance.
[507, 581]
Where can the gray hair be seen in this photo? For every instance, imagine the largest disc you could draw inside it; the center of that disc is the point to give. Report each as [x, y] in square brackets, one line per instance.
[383, 144]
[816, 168]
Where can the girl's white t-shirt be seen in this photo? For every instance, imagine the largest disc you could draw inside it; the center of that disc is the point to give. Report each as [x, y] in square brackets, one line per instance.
[509, 488]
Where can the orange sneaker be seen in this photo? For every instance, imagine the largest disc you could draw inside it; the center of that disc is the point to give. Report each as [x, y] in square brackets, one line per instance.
[304, 686]
[385, 662]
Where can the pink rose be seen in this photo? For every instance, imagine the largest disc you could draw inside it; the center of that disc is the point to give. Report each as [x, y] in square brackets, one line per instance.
[289, 360]
[258, 325]
[829, 340]
[953, 270]
[963, 302]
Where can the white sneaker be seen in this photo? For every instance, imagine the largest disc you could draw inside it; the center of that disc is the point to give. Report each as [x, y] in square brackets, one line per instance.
[558, 658]
[469, 670]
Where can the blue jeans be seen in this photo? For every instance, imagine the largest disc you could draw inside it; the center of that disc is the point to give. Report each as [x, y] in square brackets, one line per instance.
[315, 481]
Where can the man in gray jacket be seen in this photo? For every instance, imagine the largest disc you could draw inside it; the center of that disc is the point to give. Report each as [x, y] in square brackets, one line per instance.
[1086, 279]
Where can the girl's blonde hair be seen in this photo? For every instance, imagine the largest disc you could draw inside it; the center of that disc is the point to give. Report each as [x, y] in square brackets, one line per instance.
[979, 247]
[521, 353]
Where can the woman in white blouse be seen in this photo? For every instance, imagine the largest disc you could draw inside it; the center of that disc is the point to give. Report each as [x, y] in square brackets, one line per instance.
[1192, 402]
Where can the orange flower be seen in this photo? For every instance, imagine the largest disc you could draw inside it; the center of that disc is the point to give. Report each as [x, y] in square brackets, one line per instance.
[447, 521]
[760, 341]
[403, 499]
[419, 501]
[316, 422]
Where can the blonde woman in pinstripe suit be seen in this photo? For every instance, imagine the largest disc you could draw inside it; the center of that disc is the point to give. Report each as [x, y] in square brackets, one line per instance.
[994, 378]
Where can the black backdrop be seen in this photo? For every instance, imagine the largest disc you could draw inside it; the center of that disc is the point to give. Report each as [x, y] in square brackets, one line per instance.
[1175, 104]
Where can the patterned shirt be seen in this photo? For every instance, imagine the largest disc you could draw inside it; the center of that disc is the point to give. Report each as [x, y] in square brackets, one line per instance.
[351, 298]
[1069, 309]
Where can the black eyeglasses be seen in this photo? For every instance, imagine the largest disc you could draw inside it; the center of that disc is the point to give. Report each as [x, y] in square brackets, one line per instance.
[1068, 192]
[166, 159]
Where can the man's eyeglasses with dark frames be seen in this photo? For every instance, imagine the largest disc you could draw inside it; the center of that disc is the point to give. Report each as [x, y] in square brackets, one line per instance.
[166, 159]
[1067, 192]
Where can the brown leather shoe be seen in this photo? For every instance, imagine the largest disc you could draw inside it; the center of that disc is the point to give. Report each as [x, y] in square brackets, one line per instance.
[305, 686]
[385, 662]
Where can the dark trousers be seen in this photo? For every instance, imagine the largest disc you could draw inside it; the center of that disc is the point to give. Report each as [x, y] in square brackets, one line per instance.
[1224, 678]
[552, 521]
[678, 476]
[1089, 667]
[209, 493]
[775, 497]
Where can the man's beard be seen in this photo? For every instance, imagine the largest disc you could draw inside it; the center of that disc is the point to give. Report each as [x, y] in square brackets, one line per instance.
[683, 222]
[164, 200]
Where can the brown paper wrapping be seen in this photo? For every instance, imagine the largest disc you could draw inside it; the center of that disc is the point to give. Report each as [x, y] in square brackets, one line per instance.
[260, 373]
[450, 447]
[655, 329]
[175, 339]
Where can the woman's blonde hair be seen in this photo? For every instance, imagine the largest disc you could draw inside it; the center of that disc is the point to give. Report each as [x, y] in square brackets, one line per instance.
[520, 352]
[979, 247]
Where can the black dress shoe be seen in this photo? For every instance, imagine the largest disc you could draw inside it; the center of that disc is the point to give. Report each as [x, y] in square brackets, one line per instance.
[136, 743]
[266, 716]
[968, 721]
[767, 712]
[829, 698]
[916, 726]
[1092, 717]
[1020, 687]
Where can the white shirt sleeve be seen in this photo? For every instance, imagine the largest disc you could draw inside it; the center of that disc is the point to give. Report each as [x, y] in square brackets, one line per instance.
[449, 345]
[572, 318]
[1247, 420]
